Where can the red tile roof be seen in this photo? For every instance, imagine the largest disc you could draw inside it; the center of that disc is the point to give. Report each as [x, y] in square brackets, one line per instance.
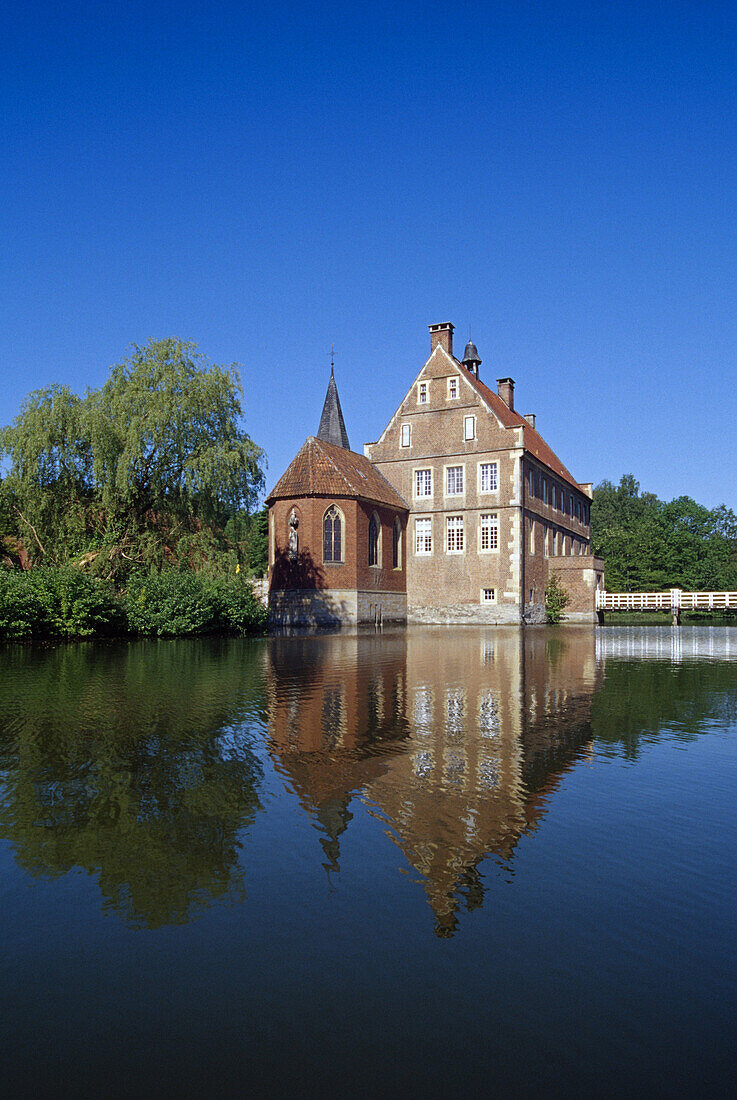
[321, 469]
[533, 441]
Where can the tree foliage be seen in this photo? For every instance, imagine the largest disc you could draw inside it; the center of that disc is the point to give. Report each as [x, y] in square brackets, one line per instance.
[557, 599]
[145, 471]
[653, 545]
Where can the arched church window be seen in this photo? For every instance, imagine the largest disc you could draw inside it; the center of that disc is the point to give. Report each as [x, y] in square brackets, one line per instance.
[396, 544]
[373, 540]
[332, 535]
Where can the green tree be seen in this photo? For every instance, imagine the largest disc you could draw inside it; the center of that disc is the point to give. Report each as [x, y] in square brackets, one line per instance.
[144, 472]
[651, 545]
[556, 599]
[170, 459]
[48, 488]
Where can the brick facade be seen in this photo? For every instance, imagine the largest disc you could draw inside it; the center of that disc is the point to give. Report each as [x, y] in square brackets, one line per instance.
[486, 511]
[510, 483]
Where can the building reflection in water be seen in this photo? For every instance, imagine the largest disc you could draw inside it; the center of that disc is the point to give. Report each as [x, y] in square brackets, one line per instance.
[454, 740]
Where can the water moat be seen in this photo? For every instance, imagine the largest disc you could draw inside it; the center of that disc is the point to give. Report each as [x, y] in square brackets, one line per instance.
[418, 859]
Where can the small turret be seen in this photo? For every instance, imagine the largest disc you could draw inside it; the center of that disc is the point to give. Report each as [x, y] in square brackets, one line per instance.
[471, 359]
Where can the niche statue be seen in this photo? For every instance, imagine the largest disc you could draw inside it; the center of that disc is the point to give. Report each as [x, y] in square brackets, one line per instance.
[293, 537]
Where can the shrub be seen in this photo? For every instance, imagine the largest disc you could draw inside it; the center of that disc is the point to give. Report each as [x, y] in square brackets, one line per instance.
[177, 603]
[50, 602]
[556, 599]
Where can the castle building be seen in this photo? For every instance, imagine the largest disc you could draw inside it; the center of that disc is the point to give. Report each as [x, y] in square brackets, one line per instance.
[459, 512]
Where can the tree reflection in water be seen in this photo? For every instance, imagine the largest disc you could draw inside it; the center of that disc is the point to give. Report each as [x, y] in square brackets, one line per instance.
[129, 763]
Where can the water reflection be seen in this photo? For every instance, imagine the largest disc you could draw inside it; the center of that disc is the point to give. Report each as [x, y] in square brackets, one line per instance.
[146, 764]
[123, 761]
[453, 741]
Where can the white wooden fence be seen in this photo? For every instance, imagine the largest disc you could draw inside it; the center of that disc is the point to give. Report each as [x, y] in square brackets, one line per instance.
[674, 600]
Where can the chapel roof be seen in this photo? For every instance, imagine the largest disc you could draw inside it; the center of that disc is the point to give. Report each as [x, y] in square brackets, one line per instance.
[322, 469]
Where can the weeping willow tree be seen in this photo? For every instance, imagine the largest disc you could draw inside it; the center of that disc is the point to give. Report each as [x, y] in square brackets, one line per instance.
[144, 472]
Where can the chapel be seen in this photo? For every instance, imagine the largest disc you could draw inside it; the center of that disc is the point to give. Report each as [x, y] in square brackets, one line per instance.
[459, 513]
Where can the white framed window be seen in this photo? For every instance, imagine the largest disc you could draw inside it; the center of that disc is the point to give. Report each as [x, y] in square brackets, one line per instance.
[423, 483]
[452, 389]
[423, 535]
[422, 393]
[405, 435]
[488, 477]
[488, 532]
[532, 536]
[454, 534]
[453, 481]
[488, 595]
[469, 427]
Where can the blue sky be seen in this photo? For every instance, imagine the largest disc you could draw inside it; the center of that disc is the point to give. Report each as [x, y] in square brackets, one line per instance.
[270, 179]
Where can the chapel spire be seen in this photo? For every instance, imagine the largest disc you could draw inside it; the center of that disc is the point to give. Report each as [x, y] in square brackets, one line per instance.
[332, 426]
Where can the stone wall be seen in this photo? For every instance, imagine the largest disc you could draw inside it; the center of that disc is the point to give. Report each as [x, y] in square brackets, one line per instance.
[335, 607]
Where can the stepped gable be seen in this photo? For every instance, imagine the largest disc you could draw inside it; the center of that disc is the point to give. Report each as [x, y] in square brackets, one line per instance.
[332, 426]
[323, 469]
[534, 442]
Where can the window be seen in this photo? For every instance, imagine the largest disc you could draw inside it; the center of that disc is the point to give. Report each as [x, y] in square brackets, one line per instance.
[488, 477]
[332, 535]
[423, 535]
[453, 480]
[423, 483]
[422, 393]
[488, 595]
[454, 535]
[405, 437]
[452, 388]
[489, 531]
[469, 427]
[532, 536]
[397, 544]
[373, 540]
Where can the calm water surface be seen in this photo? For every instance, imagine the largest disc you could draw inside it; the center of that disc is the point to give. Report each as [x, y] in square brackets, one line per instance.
[428, 860]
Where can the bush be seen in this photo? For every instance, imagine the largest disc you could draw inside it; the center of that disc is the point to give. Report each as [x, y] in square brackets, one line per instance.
[176, 603]
[556, 599]
[48, 602]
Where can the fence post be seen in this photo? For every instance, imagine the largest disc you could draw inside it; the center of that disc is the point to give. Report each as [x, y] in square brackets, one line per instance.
[675, 605]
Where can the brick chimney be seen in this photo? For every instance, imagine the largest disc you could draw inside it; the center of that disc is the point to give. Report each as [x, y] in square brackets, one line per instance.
[505, 389]
[441, 334]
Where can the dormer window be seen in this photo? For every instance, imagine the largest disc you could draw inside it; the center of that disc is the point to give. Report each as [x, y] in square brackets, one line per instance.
[422, 393]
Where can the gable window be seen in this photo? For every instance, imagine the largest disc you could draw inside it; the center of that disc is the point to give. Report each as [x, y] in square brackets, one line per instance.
[453, 480]
[454, 535]
[452, 388]
[423, 535]
[332, 535]
[373, 540]
[397, 544]
[405, 435]
[422, 393]
[488, 477]
[423, 483]
[489, 531]
[469, 427]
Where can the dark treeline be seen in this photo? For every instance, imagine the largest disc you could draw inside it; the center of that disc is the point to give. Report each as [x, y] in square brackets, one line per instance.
[652, 545]
[132, 509]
